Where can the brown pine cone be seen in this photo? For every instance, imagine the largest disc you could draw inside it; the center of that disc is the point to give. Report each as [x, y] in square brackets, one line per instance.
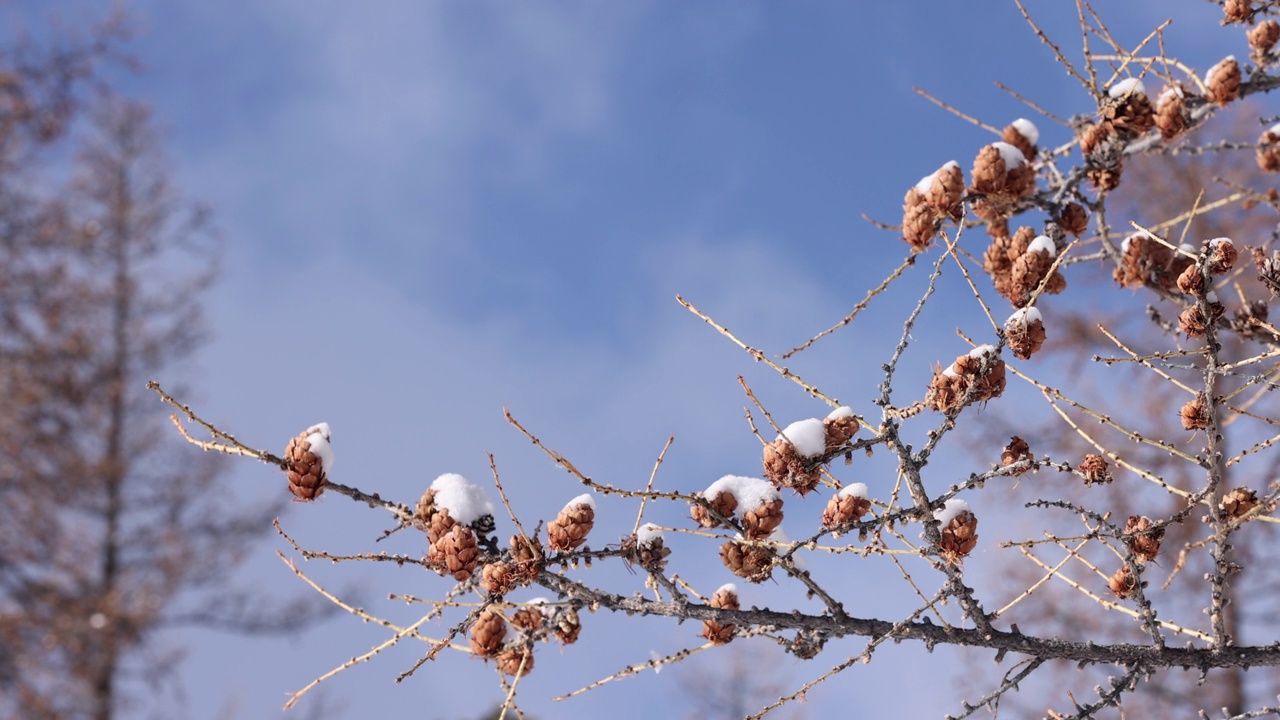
[723, 503]
[1268, 270]
[487, 633]
[1268, 153]
[516, 660]
[1262, 38]
[759, 522]
[569, 530]
[1171, 112]
[1094, 469]
[846, 507]
[309, 457]
[959, 530]
[1238, 502]
[1145, 262]
[1191, 281]
[1237, 11]
[1074, 219]
[1222, 83]
[1193, 322]
[786, 468]
[1128, 109]
[646, 548]
[841, 425]
[1123, 583]
[920, 223]
[1195, 414]
[975, 377]
[568, 626]
[1016, 451]
[1030, 269]
[1001, 177]
[439, 524]
[498, 579]
[1022, 134]
[944, 191]
[751, 562]
[1222, 255]
[528, 617]
[726, 598]
[426, 507]
[1024, 332]
[455, 553]
[1145, 542]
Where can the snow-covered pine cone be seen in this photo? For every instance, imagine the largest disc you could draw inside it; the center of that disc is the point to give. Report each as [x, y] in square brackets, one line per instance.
[723, 503]
[846, 507]
[309, 456]
[759, 522]
[786, 468]
[958, 527]
[1016, 451]
[1095, 469]
[1171, 112]
[569, 529]
[1262, 38]
[1222, 83]
[726, 598]
[1024, 332]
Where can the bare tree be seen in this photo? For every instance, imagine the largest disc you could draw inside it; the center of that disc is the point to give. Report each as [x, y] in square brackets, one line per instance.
[1201, 489]
[107, 533]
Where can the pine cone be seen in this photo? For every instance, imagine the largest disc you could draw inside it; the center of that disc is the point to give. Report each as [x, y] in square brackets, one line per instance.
[1238, 502]
[945, 191]
[1171, 112]
[1123, 583]
[752, 562]
[785, 468]
[976, 377]
[307, 472]
[1191, 281]
[844, 508]
[1103, 149]
[1024, 332]
[646, 548]
[426, 507]
[569, 530]
[1223, 82]
[1195, 414]
[498, 579]
[568, 626]
[726, 598]
[1146, 262]
[1222, 256]
[920, 223]
[1094, 469]
[487, 633]
[1074, 219]
[840, 429]
[439, 525]
[1023, 135]
[759, 523]
[456, 553]
[1237, 11]
[959, 536]
[1268, 270]
[1262, 38]
[1016, 451]
[1145, 542]
[528, 618]
[1001, 177]
[1128, 109]
[1193, 322]
[1268, 153]
[516, 660]
[724, 503]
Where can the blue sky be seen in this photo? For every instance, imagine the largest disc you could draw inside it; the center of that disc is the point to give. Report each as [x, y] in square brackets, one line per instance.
[435, 210]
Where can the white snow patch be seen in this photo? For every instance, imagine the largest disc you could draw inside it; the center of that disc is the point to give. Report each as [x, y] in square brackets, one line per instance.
[1044, 244]
[1027, 129]
[728, 588]
[1211, 297]
[983, 351]
[1274, 129]
[948, 512]
[751, 493]
[926, 182]
[465, 501]
[1126, 86]
[1219, 242]
[951, 371]
[648, 534]
[318, 435]
[1024, 316]
[841, 412]
[858, 490]
[808, 436]
[584, 499]
[1012, 156]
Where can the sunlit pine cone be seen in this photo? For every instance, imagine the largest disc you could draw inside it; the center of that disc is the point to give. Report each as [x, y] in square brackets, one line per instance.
[959, 537]
[1074, 219]
[1016, 451]
[1145, 262]
[306, 471]
[439, 525]
[760, 522]
[487, 633]
[843, 510]
[1103, 151]
[1171, 112]
[1024, 333]
[1145, 542]
[650, 554]
[986, 371]
[1191, 281]
[920, 224]
[1013, 135]
[569, 530]
[528, 618]
[754, 563]
[1223, 82]
[839, 431]
[516, 660]
[1237, 11]
[1095, 469]
[965, 381]
[1268, 153]
[1250, 318]
[945, 192]
[1268, 270]
[1193, 322]
[726, 598]
[1028, 272]
[1195, 414]
[498, 579]
[724, 503]
[1000, 255]
[1000, 180]
[568, 626]
[1123, 583]
[1222, 256]
[806, 645]
[1131, 113]
[456, 553]
[1262, 38]
[785, 468]
[1238, 502]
